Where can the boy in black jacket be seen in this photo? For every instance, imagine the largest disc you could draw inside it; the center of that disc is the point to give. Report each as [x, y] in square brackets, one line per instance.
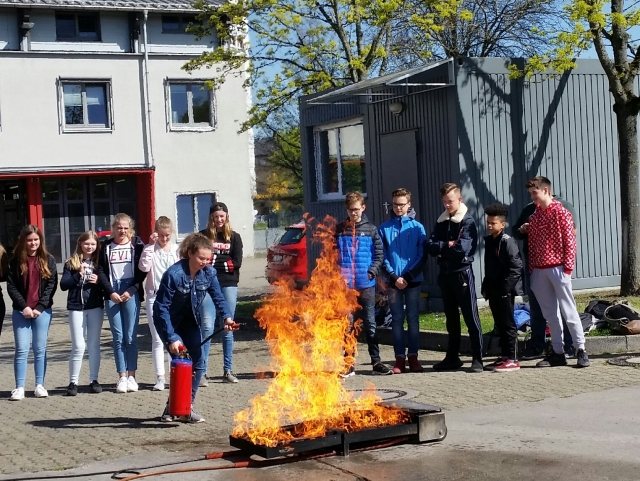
[453, 242]
[503, 269]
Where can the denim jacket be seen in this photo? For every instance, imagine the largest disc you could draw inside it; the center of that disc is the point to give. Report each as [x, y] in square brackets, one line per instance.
[178, 292]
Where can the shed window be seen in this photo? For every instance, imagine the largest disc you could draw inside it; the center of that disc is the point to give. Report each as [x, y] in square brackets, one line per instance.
[340, 160]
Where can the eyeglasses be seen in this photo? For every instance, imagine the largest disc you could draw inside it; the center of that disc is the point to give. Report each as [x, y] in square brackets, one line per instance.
[400, 205]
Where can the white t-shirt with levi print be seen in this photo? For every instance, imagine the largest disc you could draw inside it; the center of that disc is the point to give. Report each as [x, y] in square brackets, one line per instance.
[121, 261]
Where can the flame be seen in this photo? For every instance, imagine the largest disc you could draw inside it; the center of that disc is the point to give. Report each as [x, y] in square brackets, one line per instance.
[309, 333]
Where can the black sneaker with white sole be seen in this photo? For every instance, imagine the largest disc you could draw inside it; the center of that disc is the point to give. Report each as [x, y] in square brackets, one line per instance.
[381, 369]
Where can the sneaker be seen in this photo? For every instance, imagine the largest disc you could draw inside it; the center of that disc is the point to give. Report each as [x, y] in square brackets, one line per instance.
[203, 382]
[414, 365]
[72, 389]
[121, 387]
[476, 365]
[531, 353]
[553, 360]
[166, 417]
[350, 371]
[494, 364]
[132, 385]
[159, 385]
[448, 364]
[193, 418]
[95, 387]
[507, 366]
[229, 376]
[569, 352]
[17, 394]
[400, 366]
[583, 359]
[381, 369]
[40, 391]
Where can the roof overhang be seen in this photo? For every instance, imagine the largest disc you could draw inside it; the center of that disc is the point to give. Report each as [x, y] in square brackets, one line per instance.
[415, 80]
[110, 5]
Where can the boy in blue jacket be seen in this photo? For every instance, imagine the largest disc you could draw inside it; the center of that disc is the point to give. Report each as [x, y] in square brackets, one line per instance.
[360, 258]
[403, 240]
[453, 241]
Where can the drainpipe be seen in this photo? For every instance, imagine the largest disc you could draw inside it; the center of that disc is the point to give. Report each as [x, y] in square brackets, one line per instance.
[145, 90]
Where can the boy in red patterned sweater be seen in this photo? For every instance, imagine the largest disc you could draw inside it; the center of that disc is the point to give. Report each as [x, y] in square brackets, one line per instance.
[552, 257]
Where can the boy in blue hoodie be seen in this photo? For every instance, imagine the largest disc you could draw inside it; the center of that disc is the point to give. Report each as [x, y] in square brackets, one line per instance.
[454, 241]
[360, 258]
[403, 240]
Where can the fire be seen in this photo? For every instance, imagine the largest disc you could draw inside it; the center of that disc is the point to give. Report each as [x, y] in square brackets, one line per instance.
[308, 333]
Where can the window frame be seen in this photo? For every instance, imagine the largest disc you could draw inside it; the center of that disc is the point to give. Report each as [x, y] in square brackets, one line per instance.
[77, 37]
[182, 23]
[191, 126]
[196, 220]
[85, 127]
[317, 131]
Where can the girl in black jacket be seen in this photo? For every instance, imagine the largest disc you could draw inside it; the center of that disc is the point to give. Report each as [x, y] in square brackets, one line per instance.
[87, 284]
[31, 284]
[119, 258]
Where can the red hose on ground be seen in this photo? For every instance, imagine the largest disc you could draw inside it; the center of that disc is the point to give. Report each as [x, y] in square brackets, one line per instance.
[251, 463]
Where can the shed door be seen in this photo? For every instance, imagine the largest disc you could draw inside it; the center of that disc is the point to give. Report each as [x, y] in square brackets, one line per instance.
[399, 158]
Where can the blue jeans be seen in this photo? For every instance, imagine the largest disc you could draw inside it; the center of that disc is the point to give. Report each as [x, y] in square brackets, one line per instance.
[538, 322]
[24, 330]
[211, 321]
[123, 320]
[367, 312]
[191, 337]
[409, 296]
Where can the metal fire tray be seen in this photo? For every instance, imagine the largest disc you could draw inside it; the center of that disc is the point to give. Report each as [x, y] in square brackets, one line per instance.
[426, 424]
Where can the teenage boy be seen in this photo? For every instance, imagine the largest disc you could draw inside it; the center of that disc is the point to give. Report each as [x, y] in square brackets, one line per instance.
[360, 257]
[552, 256]
[403, 240]
[453, 241]
[503, 270]
[536, 348]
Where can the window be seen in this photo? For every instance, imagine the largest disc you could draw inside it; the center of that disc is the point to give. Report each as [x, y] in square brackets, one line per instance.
[340, 160]
[177, 23]
[86, 105]
[191, 106]
[83, 27]
[192, 211]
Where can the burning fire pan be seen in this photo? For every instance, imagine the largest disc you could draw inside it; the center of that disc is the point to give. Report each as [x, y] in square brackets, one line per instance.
[426, 424]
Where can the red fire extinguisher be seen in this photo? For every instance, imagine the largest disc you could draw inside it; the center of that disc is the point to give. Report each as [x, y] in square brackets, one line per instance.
[180, 384]
[180, 380]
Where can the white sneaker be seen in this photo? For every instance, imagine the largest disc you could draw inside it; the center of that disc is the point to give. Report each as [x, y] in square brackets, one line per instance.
[121, 387]
[132, 385]
[17, 394]
[159, 385]
[40, 391]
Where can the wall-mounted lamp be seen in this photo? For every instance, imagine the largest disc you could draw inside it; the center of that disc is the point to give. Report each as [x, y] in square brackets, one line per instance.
[396, 108]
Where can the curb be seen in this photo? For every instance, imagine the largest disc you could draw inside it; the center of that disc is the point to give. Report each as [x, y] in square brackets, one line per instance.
[438, 341]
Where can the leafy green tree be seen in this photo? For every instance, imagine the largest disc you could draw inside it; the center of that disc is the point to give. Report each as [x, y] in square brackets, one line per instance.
[607, 27]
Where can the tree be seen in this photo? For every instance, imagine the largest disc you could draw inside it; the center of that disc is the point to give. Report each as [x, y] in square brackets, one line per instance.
[609, 34]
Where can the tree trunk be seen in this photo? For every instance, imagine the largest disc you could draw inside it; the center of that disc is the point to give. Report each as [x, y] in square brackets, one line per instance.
[627, 120]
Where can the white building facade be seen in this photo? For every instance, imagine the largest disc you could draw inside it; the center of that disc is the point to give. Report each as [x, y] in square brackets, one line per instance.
[97, 117]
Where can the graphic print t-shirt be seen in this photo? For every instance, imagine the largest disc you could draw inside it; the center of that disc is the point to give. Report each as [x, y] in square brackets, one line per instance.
[121, 261]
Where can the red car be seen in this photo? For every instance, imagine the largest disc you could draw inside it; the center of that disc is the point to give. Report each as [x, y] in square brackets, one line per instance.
[288, 258]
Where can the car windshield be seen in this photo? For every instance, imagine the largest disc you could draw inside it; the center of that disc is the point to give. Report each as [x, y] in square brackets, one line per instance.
[293, 235]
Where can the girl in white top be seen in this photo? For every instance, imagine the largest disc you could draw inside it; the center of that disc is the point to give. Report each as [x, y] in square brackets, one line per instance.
[156, 258]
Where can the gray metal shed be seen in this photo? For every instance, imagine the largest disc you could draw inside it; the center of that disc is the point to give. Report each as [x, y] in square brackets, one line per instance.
[464, 121]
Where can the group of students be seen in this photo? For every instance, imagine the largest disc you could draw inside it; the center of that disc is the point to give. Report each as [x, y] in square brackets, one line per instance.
[114, 275]
[396, 254]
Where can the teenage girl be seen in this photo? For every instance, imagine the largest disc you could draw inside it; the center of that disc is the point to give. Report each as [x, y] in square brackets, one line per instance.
[227, 259]
[156, 258]
[119, 258]
[31, 283]
[83, 277]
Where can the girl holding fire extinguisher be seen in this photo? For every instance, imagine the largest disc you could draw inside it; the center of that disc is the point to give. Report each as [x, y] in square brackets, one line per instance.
[177, 314]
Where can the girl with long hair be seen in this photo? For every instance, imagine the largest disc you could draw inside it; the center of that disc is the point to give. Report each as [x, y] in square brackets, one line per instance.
[86, 282]
[31, 283]
[157, 257]
[226, 248]
[119, 259]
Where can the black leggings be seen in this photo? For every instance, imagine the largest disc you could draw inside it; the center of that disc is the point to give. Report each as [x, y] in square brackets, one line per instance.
[2, 311]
